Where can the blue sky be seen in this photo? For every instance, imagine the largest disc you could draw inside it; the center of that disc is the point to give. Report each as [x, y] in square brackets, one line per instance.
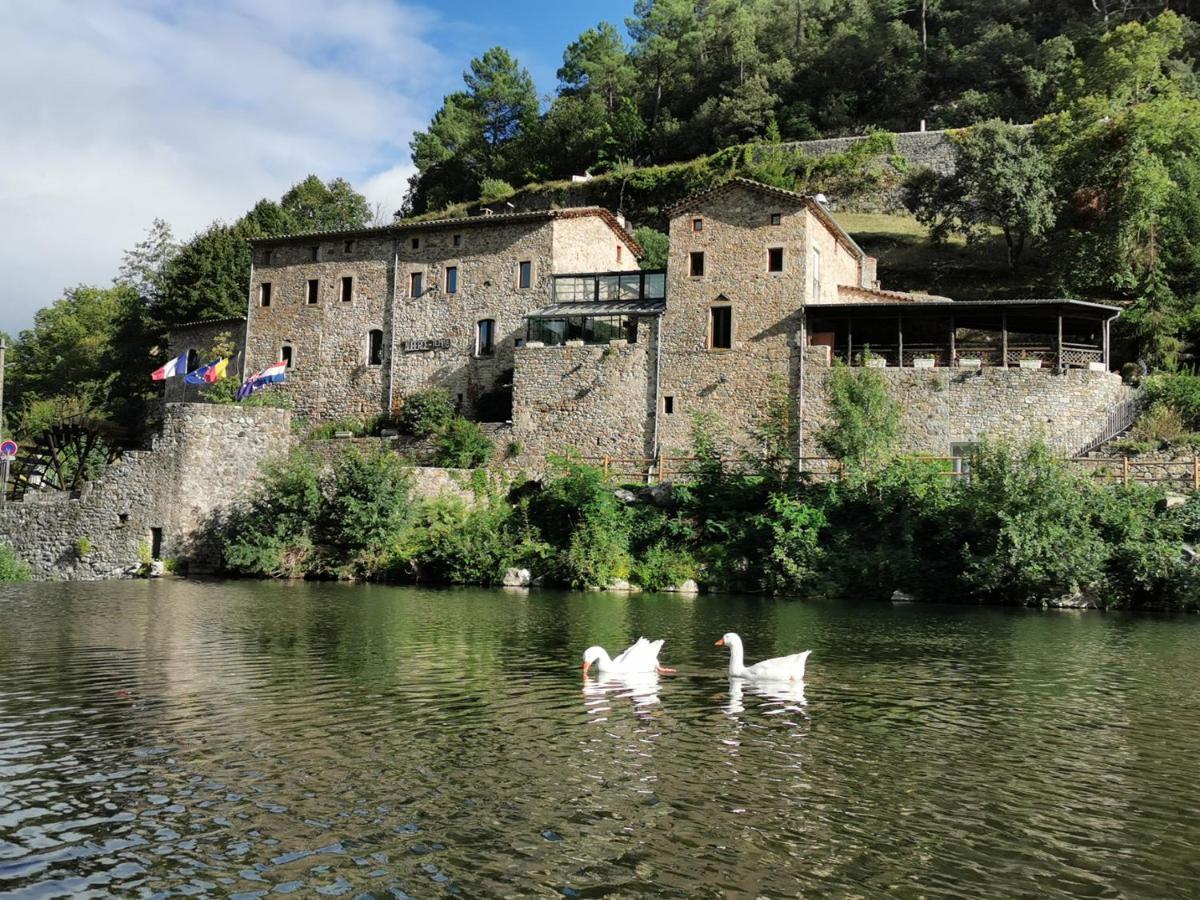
[120, 111]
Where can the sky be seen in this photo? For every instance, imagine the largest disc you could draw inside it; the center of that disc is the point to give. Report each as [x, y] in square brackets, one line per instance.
[114, 113]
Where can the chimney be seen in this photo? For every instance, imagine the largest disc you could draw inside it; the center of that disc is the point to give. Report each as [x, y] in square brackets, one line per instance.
[620, 218]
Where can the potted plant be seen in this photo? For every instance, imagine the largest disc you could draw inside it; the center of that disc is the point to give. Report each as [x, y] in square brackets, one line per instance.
[969, 362]
[1027, 363]
[923, 362]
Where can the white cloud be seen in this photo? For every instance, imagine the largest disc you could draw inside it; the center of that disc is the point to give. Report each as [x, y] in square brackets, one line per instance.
[117, 112]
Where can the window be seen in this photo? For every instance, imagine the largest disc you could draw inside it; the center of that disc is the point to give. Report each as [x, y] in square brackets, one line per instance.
[451, 279]
[416, 243]
[775, 259]
[267, 257]
[416, 284]
[314, 291]
[316, 253]
[193, 360]
[618, 252]
[485, 337]
[285, 355]
[264, 294]
[696, 264]
[347, 288]
[524, 274]
[348, 247]
[456, 241]
[697, 224]
[776, 218]
[816, 273]
[669, 405]
[720, 336]
[375, 347]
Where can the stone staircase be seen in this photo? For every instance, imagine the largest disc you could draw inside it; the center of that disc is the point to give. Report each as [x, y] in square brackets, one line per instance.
[1118, 419]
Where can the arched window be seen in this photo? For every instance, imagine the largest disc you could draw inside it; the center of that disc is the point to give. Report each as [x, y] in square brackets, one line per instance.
[285, 355]
[485, 337]
[193, 360]
[375, 347]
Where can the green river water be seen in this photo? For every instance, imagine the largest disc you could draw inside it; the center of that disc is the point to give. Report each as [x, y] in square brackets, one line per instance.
[242, 738]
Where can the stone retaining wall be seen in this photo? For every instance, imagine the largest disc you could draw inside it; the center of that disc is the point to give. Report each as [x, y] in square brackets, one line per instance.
[598, 400]
[204, 459]
[941, 407]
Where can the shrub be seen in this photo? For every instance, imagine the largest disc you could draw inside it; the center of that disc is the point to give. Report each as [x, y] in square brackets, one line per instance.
[83, 546]
[1029, 534]
[455, 544]
[273, 534]
[425, 412]
[1180, 393]
[493, 189]
[864, 419]
[792, 553]
[1159, 426]
[366, 503]
[663, 566]
[12, 569]
[463, 445]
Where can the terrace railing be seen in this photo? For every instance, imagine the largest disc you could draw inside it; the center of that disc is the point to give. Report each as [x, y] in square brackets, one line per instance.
[1074, 356]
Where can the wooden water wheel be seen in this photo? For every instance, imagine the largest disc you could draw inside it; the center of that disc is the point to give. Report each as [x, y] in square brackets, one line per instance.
[65, 455]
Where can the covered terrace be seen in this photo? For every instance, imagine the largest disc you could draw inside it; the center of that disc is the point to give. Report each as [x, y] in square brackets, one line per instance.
[938, 332]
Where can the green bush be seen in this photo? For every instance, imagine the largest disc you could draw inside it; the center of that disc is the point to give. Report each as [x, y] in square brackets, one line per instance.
[425, 413]
[274, 534]
[1180, 393]
[83, 547]
[662, 566]
[792, 554]
[864, 418]
[11, 568]
[454, 544]
[365, 503]
[462, 445]
[493, 189]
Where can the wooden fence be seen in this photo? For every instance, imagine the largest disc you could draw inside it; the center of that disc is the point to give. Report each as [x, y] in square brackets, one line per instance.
[1183, 474]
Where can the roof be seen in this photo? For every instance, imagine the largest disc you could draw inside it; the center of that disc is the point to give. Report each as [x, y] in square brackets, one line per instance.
[855, 293]
[840, 233]
[228, 320]
[915, 301]
[403, 226]
[600, 308]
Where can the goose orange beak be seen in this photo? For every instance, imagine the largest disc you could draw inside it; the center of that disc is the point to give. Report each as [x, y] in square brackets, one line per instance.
[720, 642]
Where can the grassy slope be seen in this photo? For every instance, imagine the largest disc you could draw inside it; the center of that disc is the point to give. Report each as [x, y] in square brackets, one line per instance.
[909, 261]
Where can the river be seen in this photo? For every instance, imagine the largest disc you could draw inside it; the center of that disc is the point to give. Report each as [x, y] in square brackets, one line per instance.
[228, 737]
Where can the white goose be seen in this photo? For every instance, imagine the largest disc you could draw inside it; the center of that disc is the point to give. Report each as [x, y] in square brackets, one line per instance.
[642, 656]
[782, 668]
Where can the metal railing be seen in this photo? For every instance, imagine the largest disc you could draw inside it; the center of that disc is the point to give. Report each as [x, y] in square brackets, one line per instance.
[1117, 420]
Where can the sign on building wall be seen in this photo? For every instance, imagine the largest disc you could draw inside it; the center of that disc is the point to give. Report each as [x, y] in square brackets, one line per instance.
[425, 344]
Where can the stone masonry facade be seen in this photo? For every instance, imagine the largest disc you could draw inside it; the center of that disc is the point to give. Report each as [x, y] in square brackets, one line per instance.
[203, 460]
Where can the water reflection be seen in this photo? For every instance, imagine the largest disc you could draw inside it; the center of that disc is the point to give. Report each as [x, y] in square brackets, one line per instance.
[243, 737]
[779, 696]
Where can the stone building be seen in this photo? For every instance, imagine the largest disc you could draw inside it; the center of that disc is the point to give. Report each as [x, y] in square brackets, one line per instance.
[544, 318]
[364, 318]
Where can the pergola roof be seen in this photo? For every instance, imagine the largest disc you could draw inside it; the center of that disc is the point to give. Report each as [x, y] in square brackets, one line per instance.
[944, 304]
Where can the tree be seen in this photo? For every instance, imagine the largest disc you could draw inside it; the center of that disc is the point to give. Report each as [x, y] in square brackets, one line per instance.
[314, 205]
[208, 279]
[1126, 149]
[1001, 180]
[864, 418]
[144, 266]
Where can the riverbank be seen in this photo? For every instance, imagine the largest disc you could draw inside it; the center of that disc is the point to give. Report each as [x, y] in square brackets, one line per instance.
[1023, 529]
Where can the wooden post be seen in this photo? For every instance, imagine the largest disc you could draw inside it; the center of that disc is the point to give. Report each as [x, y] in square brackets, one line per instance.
[1004, 339]
[1125, 469]
[661, 467]
[606, 468]
[1058, 347]
[1196, 473]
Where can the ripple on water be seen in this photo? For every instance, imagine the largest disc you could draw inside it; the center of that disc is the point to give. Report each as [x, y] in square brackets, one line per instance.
[246, 739]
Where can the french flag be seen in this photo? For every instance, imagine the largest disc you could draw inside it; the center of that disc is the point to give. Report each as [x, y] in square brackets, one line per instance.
[175, 367]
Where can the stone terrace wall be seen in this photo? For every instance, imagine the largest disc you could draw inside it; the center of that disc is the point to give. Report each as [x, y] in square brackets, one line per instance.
[597, 400]
[945, 406]
[203, 460]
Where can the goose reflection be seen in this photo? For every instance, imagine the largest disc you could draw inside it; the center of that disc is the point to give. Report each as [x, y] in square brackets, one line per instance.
[781, 696]
[641, 688]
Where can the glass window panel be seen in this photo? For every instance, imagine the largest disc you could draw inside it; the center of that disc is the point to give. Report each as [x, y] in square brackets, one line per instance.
[656, 285]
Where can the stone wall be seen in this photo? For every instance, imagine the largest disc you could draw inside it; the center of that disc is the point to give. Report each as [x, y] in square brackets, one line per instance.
[204, 459]
[733, 384]
[598, 400]
[941, 407]
[919, 149]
